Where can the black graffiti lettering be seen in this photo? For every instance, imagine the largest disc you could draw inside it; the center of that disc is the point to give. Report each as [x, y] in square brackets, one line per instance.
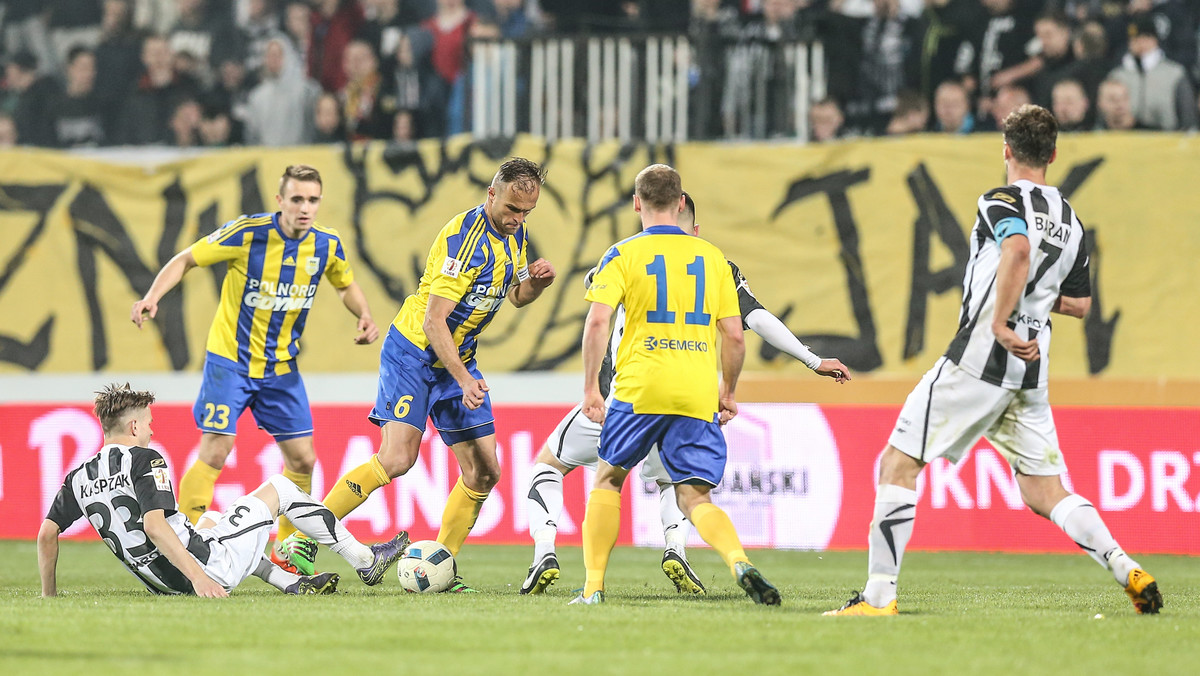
[934, 217]
[1097, 330]
[860, 352]
[38, 199]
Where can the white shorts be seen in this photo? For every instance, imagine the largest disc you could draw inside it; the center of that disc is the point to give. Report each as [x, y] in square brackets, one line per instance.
[575, 442]
[237, 542]
[950, 409]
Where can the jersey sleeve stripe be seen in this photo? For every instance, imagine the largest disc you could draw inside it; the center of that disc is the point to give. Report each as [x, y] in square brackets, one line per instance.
[243, 226]
[470, 241]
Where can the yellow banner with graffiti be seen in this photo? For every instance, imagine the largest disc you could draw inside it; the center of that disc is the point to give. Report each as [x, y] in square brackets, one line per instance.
[858, 246]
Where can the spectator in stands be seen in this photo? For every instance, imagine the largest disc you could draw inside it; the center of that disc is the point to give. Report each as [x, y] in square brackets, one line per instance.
[946, 29]
[327, 120]
[952, 108]
[215, 128]
[1163, 95]
[72, 23]
[279, 111]
[760, 66]
[1071, 106]
[8, 131]
[577, 16]
[1091, 65]
[204, 31]
[146, 116]
[185, 124]
[712, 26]
[657, 16]
[1115, 107]
[1000, 56]
[449, 26]
[911, 116]
[29, 99]
[118, 61]
[825, 121]
[231, 94]
[366, 110]
[881, 52]
[1007, 99]
[261, 24]
[79, 117]
[403, 131]
[297, 25]
[189, 67]
[25, 31]
[334, 24]
[514, 21]
[387, 20]
[1053, 32]
[1176, 24]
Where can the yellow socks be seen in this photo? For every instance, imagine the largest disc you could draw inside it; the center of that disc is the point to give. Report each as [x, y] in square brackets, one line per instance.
[462, 508]
[352, 489]
[601, 523]
[196, 489]
[304, 481]
[714, 526]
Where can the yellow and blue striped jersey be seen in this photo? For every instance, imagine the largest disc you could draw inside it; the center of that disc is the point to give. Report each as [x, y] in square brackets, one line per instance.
[269, 287]
[474, 265]
[674, 288]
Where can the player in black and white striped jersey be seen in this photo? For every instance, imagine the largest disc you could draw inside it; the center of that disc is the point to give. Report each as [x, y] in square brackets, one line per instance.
[575, 443]
[1028, 259]
[125, 492]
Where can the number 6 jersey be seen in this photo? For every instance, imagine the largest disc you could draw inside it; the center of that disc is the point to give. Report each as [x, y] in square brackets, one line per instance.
[114, 489]
[1058, 265]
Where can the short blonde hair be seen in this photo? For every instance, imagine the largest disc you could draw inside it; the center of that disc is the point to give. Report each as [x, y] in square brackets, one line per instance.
[114, 401]
[299, 172]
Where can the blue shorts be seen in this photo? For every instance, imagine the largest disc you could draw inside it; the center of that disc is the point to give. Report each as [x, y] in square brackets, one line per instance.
[691, 449]
[279, 403]
[411, 391]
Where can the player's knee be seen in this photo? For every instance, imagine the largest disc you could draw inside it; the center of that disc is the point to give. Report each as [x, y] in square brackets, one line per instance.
[483, 477]
[896, 468]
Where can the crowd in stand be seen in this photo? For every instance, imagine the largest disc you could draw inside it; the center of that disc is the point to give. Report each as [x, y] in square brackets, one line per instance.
[190, 73]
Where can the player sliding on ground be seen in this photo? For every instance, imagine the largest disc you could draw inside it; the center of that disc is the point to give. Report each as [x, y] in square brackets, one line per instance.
[1028, 259]
[125, 492]
[678, 292]
[574, 443]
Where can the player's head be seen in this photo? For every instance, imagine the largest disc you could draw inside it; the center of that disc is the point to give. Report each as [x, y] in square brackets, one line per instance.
[1030, 134]
[687, 216]
[658, 190]
[513, 194]
[124, 412]
[299, 197]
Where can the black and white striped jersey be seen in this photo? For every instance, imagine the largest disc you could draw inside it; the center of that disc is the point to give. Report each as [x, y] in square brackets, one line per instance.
[113, 490]
[1058, 265]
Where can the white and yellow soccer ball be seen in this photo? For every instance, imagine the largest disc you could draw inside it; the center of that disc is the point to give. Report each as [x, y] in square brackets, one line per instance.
[427, 567]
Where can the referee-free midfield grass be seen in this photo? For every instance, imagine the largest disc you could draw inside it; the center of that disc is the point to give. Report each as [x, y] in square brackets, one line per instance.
[962, 613]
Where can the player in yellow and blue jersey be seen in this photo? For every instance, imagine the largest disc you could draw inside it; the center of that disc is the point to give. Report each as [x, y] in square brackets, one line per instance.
[427, 366]
[275, 263]
[678, 293]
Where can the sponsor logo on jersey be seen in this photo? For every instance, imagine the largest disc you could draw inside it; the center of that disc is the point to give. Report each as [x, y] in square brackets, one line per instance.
[651, 343]
[98, 486]
[451, 267]
[485, 298]
[264, 294]
[158, 462]
[162, 480]
[289, 261]
[1022, 318]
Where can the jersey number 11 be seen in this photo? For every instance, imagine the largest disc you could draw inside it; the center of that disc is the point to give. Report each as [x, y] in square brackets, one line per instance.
[660, 314]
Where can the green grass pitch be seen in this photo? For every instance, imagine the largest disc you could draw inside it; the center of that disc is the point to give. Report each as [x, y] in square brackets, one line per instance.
[962, 613]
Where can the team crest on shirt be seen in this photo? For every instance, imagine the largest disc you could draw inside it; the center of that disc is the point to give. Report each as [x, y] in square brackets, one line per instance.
[312, 265]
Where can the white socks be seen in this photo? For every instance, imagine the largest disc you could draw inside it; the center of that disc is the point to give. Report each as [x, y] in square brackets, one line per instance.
[316, 521]
[891, 529]
[676, 527]
[274, 575]
[544, 506]
[1082, 523]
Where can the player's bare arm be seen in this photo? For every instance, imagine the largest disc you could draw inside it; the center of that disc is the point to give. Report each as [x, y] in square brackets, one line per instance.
[779, 336]
[154, 522]
[733, 355]
[47, 550]
[1072, 307]
[541, 276]
[595, 342]
[438, 333]
[167, 278]
[356, 302]
[1011, 273]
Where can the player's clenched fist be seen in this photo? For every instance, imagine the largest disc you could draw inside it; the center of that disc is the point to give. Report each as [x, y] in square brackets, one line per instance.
[541, 273]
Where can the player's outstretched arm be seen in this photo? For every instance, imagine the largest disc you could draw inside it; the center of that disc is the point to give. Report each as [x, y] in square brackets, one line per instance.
[356, 302]
[776, 333]
[541, 275]
[1072, 307]
[595, 340]
[1011, 273]
[47, 549]
[154, 522]
[167, 278]
[733, 355]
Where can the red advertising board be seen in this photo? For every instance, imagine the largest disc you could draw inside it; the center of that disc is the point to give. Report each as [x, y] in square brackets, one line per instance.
[799, 476]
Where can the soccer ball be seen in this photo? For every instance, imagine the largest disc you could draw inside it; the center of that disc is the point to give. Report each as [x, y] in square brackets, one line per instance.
[427, 567]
